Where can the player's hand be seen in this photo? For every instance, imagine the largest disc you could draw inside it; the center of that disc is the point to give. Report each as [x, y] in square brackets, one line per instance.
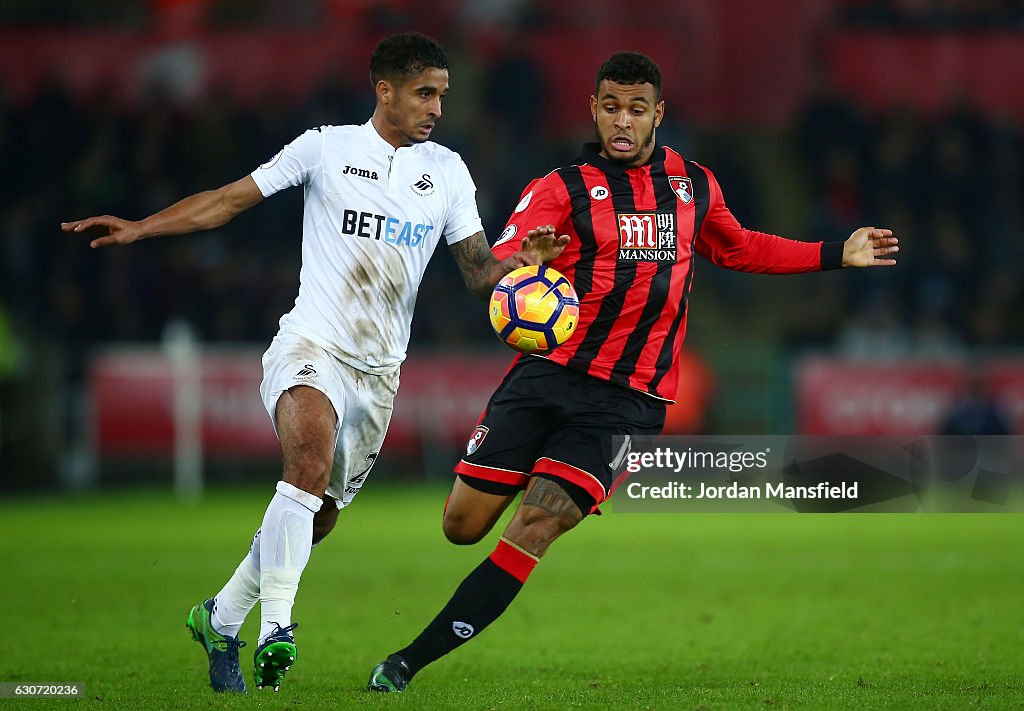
[118, 231]
[541, 244]
[868, 246]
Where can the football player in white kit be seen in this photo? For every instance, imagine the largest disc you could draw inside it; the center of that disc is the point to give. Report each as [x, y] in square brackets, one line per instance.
[378, 199]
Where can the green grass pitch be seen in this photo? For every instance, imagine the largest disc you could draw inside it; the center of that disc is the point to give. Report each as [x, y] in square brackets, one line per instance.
[668, 611]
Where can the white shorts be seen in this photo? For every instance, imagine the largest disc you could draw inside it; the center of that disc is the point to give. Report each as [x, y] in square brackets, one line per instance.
[362, 402]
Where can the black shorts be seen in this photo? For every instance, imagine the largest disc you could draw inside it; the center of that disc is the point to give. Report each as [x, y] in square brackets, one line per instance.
[547, 420]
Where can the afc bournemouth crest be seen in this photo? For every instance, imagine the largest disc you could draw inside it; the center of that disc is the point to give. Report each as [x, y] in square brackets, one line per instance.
[476, 440]
[682, 187]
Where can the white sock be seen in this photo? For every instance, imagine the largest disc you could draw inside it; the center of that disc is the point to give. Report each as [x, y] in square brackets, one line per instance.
[285, 543]
[240, 594]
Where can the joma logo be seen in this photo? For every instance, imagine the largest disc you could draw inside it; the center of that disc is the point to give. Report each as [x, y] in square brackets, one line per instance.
[361, 172]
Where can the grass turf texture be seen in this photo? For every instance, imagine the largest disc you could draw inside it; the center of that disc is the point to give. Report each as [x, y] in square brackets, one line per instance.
[671, 611]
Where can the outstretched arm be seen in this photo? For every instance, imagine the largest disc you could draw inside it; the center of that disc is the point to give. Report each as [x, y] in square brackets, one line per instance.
[726, 243]
[481, 270]
[866, 246]
[202, 211]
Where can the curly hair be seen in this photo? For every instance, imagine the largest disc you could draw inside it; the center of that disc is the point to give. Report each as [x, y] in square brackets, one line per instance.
[399, 57]
[630, 68]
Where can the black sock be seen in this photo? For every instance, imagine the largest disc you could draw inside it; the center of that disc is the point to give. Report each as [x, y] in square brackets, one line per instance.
[478, 601]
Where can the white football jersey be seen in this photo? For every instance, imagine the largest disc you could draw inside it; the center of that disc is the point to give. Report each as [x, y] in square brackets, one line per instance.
[372, 218]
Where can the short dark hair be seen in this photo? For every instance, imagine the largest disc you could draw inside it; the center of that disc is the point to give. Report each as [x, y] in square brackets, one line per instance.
[630, 68]
[398, 57]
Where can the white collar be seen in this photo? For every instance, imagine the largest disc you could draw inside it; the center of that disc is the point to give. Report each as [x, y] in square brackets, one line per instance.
[376, 139]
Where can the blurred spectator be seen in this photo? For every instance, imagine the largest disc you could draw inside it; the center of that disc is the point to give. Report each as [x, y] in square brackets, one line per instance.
[935, 339]
[494, 13]
[8, 345]
[8, 361]
[975, 411]
[876, 331]
[947, 14]
[828, 122]
[949, 186]
[897, 172]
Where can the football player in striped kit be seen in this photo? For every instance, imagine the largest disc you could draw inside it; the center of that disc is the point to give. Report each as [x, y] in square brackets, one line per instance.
[636, 213]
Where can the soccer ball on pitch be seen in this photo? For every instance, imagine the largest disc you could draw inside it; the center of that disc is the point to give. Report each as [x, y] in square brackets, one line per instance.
[534, 309]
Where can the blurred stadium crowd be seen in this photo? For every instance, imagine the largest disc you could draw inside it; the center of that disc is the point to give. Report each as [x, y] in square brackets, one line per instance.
[950, 187]
[949, 184]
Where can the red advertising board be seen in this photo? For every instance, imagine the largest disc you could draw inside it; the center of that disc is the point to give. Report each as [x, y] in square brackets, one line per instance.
[850, 397]
[442, 395]
[132, 402]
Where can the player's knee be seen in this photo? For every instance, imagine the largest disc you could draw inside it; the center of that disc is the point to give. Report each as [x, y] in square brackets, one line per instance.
[310, 472]
[535, 529]
[460, 530]
[544, 522]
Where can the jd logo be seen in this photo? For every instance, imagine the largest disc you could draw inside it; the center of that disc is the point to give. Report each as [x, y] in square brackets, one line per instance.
[462, 630]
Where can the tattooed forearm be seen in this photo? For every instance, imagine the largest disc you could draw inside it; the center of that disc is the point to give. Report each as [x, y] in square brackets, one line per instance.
[552, 498]
[478, 266]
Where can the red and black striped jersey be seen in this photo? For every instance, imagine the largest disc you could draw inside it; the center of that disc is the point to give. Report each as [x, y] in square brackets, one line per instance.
[634, 232]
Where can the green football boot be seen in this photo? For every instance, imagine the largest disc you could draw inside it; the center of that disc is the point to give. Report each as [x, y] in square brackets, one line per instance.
[274, 657]
[222, 651]
[390, 676]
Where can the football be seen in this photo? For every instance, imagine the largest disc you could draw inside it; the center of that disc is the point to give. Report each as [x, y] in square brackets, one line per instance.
[534, 309]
